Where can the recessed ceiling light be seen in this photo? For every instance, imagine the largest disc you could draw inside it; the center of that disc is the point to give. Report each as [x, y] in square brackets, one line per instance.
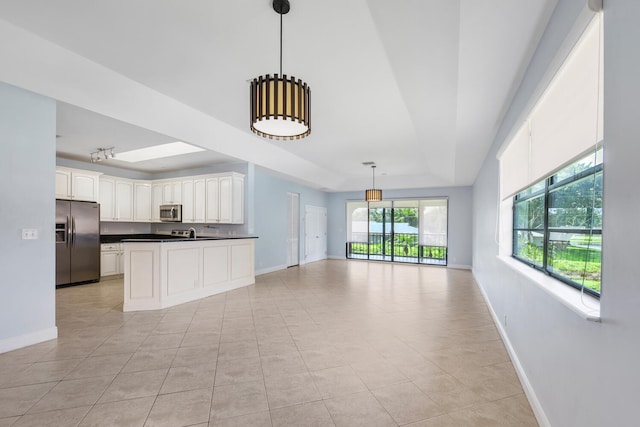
[158, 152]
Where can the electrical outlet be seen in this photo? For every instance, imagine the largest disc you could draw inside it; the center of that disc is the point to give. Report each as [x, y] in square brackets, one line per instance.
[29, 234]
[505, 320]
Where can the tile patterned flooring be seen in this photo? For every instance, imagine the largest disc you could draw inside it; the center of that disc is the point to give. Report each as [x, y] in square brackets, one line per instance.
[332, 343]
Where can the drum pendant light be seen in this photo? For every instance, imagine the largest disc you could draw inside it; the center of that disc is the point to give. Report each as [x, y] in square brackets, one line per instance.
[373, 194]
[280, 105]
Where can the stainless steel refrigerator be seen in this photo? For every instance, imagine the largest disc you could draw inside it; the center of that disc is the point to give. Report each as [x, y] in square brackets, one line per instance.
[77, 242]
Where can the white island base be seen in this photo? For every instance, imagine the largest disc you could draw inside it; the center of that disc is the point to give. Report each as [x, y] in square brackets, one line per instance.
[160, 274]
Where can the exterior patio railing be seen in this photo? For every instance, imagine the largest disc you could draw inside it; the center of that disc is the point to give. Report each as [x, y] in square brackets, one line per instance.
[402, 247]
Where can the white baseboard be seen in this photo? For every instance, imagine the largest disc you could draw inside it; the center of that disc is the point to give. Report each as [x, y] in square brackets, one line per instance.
[15, 343]
[309, 261]
[340, 257]
[270, 269]
[459, 266]
[538, 411]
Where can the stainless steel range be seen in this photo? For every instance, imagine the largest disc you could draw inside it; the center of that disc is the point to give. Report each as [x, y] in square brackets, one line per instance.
[189, 233]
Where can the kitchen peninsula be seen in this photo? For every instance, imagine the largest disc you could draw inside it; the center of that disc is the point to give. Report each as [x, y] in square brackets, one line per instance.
[165, 271]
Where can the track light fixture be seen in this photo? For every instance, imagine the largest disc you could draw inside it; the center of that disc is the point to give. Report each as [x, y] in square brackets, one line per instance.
[102, 154]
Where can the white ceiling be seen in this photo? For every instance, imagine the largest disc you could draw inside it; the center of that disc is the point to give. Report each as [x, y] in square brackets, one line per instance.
[81, 132]
[417, 86]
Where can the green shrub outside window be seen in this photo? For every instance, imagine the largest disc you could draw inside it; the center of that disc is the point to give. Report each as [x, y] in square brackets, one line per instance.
[557, 224]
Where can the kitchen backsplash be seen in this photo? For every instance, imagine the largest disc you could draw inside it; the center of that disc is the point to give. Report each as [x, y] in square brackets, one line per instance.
[201, 229]
[125, 228]
[165, 228]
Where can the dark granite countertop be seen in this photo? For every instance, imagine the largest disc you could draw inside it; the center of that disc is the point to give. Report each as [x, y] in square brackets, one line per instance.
[162, 238]
[117, 238]
[165, 239]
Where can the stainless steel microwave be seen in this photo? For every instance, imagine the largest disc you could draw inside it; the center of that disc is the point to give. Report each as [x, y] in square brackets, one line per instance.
[171, 213]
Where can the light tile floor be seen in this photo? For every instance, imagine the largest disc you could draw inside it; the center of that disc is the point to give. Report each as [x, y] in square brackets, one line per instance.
[344, 343]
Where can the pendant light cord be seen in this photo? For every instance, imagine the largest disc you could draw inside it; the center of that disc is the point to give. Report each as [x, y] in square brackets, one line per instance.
[280, 45]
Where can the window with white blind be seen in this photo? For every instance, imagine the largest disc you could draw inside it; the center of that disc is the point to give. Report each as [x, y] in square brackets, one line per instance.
[551, 173]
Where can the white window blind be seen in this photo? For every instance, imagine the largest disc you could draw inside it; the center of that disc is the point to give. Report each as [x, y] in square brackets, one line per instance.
[566, 121]
[514, 163]
[357, 221]
[433, 222]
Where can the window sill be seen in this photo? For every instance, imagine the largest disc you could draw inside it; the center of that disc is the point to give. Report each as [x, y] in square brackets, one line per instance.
[580, 303]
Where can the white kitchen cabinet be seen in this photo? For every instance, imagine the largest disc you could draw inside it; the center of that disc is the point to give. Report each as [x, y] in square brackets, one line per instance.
[107, 198]
[63, 184]
[194, 200]
[225, 185]
[213, 200]
[76, 184]
[236, 200]
[187, 201]
[141, 201]
[124, 200]
[163, 274]
[225, 199]
[84, 186]
[111, 259]
[116, 199]
[156, 201]
[172, 192]
[199, 200]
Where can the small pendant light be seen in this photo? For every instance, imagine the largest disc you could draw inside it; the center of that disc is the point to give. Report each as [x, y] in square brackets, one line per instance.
[373, 194]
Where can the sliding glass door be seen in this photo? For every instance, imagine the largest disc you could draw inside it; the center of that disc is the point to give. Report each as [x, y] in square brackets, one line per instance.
[410, 230]
[405, 231]
[380, 231]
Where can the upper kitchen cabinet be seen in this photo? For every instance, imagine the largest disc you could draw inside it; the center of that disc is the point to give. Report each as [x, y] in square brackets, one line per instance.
[172, 192]
[164, 192]
[141, 201]
[194, 200]
[215, 199]
[225, 198]
[156, 201]
[116, 199]
[74, 184]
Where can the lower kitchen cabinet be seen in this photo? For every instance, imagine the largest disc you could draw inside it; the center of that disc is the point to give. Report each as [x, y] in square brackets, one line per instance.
[163, 274]
[111, 259]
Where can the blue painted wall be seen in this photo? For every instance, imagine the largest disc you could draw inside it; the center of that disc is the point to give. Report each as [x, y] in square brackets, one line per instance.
[270, 218]
[27, 191]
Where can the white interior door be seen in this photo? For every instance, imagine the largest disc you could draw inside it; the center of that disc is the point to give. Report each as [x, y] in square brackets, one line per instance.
[315, 226]
[293, 229]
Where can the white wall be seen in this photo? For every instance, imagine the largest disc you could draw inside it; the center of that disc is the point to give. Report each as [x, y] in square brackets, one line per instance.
[460, 208]
[581, 373]
[27, 191]
[270, 218]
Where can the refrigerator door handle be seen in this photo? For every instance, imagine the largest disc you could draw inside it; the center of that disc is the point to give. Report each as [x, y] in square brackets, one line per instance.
[68, 230]
[73, 231]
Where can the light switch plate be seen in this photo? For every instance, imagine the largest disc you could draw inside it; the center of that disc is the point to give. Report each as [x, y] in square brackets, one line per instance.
[29, 234]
